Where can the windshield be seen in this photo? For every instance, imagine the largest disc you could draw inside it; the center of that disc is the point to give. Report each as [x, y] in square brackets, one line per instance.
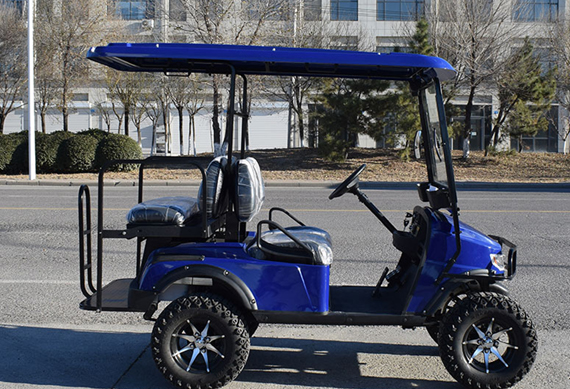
[436, 141]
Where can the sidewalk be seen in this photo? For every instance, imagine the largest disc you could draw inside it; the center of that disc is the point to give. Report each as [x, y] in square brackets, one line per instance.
[385, 185]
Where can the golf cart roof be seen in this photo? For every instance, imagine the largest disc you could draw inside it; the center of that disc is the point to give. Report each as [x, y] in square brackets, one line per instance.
[260, 60]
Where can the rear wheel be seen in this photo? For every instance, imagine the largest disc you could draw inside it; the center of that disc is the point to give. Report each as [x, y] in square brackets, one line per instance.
[487, 341]
[200, 341]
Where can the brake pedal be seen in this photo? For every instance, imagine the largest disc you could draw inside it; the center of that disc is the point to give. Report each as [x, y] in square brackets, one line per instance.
[379, 284]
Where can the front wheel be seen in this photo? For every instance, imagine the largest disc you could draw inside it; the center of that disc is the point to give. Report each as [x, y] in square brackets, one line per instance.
[200, 341]
[487, 341]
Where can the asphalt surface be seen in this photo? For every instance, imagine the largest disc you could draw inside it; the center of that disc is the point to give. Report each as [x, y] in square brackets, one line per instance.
[47, 342]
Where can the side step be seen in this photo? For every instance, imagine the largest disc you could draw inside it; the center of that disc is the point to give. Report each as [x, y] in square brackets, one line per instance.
[115, 297]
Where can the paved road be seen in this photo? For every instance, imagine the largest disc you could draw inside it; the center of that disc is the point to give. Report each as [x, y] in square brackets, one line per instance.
[47, 342]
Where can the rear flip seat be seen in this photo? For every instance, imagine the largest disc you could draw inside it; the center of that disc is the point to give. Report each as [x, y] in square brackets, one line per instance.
[183, 210]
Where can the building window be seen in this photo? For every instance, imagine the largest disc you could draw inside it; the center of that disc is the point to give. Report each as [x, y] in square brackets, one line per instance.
[176, 11]
[270, 11]
[399, 9]
[312, 9]
[535, 10]
[344, 9]
[134, 10]
[344, 43]
[543, 141]
[18, 4]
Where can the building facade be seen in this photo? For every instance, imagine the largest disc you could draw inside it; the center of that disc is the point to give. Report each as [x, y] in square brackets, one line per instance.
[381, 25]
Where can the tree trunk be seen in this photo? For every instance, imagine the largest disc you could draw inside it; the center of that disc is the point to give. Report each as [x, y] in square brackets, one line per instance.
[299, 110]
[65, 118]
[139, 136]
[190, 121]
[2, 121]
[467, 125]
[127, 112]
[153, 143]
[181, 128]
[43, 121]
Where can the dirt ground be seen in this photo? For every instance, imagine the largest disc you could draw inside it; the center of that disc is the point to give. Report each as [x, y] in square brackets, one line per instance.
[382, 165]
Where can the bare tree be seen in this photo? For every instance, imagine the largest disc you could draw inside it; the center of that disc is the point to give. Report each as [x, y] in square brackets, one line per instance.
[69, 28]
[559, 45]
[154, 114]
[183, 92]
[138, 114]
[119, 114]
[306, 29]
[12, 60]
[46, 85]
[126, 88]
[104, 111]
[476, 37]
[231, 22]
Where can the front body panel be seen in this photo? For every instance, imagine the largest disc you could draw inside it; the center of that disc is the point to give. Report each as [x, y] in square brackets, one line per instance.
[476, 249]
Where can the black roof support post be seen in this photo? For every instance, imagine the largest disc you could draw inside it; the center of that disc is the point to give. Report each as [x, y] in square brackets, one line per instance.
[232, 221]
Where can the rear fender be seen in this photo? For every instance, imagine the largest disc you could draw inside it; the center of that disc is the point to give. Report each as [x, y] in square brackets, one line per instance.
[178, 282]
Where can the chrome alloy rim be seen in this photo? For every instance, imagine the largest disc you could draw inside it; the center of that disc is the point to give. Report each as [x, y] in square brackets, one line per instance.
[489, 349]
[191, 343]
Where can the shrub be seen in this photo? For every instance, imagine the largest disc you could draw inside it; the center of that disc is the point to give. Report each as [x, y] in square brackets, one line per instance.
[116, 146]
[8, 145]
[95, 132]
[77, 154]
[47, 151]
[16, 153]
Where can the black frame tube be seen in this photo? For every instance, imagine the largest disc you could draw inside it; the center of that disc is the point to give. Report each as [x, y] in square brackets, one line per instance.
[100, 206]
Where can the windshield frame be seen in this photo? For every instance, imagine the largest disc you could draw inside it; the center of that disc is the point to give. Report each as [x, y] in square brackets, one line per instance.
[436, 140]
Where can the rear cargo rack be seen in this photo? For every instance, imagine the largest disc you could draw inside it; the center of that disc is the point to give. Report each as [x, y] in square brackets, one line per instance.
[114, 296]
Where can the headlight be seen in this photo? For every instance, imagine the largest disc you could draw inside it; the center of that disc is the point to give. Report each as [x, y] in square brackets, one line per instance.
[499, 260]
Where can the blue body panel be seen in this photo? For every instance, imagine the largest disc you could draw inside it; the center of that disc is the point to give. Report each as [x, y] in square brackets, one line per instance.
[276, 286]
[289, 287]
[476, 249]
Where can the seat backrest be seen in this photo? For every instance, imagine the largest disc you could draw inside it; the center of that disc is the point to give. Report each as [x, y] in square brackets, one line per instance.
[214, 184]
[250, 189]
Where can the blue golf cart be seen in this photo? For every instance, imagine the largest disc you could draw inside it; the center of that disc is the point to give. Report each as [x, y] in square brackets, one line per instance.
[222, 277]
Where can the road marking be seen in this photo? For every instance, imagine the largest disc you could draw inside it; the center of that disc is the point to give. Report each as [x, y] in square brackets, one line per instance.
[50, 282]
[311, 210]
[403, 210]
[55, 209]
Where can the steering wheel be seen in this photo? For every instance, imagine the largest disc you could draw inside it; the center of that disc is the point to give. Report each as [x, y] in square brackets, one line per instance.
[347, 184]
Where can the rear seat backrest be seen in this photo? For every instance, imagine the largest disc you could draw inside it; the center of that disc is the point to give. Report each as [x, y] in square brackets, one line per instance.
[250, 189]
[215, 183]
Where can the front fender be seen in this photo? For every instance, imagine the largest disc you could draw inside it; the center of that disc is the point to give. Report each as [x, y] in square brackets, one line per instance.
[456, 287]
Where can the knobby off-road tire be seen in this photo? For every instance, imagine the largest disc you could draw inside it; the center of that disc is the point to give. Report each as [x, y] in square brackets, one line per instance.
[433, 331]
[200, 341]
[476, 330]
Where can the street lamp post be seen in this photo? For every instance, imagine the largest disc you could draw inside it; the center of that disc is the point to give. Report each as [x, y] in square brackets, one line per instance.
[31, 96]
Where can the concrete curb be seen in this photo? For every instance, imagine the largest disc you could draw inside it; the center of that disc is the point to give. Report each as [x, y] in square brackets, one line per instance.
[384, 185]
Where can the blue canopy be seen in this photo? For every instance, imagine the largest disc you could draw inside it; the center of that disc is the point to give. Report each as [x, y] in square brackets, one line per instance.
[277, 61]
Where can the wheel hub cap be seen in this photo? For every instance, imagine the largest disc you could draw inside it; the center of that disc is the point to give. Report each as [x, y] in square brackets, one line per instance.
[199, 343]
[488, 344]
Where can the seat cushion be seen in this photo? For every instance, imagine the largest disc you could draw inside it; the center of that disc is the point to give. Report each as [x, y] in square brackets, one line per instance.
[316, 239]
[164, 210]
